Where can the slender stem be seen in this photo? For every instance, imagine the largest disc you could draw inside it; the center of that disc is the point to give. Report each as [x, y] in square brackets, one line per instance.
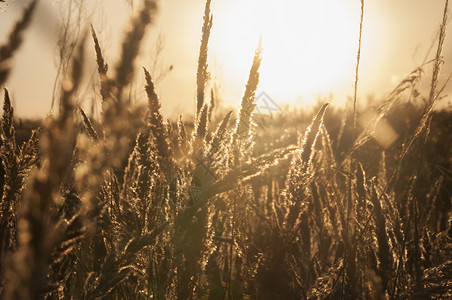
[358, 57]
[63, 46]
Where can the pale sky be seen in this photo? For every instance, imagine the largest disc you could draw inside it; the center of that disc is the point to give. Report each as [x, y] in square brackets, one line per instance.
[309, 48]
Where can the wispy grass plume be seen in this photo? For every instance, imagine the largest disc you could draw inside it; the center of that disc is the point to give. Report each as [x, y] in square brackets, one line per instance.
[202, 75]
[88, 125]
[247, 106]
[155, 122]
[14, 41]
[131, 46]
[102, 66]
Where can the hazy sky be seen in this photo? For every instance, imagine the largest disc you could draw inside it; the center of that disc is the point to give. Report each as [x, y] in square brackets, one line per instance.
[309, 48]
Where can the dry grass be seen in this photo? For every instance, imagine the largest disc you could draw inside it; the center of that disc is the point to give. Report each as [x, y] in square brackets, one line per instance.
[134, 207]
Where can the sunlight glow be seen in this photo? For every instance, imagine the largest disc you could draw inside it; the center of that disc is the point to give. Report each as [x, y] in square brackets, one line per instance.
[309, 46]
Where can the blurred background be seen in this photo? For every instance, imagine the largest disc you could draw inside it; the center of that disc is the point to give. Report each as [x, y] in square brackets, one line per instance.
[309, 49]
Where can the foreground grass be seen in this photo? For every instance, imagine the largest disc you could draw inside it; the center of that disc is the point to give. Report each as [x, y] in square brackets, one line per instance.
[133, 207]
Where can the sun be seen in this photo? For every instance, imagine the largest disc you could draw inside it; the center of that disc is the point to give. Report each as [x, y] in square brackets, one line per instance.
[309, 46]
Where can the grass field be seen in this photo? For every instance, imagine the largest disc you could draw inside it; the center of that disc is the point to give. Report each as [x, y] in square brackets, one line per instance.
[328, 203]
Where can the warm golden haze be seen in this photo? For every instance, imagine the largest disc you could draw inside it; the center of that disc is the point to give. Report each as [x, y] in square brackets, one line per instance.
[309, 48]
[108, 197]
